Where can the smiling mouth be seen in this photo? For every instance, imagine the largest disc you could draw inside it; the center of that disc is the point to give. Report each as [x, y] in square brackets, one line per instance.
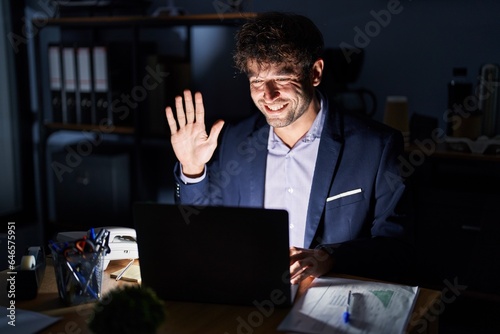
[275, 108]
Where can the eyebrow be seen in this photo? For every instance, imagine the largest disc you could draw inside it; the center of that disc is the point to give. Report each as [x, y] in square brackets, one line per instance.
[287, 70]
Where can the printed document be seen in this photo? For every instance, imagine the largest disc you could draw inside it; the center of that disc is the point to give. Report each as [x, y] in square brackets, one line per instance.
[374, 307]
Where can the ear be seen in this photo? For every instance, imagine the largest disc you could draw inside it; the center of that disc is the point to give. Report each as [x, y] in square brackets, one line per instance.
[317, 71]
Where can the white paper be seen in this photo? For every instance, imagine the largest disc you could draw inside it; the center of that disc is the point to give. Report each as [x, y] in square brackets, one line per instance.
[375, 307]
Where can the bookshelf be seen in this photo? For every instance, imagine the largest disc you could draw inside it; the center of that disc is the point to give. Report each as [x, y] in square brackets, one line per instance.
[153, 63]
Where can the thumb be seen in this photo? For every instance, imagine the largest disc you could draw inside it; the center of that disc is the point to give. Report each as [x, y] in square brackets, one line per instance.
[215, 131]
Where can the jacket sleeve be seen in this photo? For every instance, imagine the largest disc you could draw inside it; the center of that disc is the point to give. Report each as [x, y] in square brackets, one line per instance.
[190, 193]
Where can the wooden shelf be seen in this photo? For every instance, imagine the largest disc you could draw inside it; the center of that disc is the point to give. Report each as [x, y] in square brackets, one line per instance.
[90, 127]
[185, 20]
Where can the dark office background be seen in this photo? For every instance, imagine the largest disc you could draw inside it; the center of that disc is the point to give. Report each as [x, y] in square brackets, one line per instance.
[412, 52]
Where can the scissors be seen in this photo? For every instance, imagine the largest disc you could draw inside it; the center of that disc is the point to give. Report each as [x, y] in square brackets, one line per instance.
[84, 245]
[81, 247]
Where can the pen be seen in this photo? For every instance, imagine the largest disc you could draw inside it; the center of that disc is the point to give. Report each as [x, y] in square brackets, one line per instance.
[347, 311]
[124, 270]
[55, 247]
[81, 280]
[92, 234]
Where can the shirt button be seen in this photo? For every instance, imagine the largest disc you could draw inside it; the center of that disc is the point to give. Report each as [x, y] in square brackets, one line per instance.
[290, 190]
[291, 226]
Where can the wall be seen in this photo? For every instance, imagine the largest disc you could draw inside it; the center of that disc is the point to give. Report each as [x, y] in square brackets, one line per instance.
[412, 53]
[10, 196]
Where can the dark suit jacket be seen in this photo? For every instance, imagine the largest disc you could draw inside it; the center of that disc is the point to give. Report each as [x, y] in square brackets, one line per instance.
[369, 231]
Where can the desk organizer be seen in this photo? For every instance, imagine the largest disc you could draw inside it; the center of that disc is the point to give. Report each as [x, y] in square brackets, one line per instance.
[78, 268]
[79, 277]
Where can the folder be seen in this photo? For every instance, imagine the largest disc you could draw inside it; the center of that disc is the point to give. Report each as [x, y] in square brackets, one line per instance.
[84, 96]
[69, 85]
[55, 77]
[101, 85]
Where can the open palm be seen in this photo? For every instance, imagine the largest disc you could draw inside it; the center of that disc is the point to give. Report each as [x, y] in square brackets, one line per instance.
[192, 145]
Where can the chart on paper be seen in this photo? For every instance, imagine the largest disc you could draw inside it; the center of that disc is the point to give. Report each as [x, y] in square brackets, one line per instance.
[374, 307]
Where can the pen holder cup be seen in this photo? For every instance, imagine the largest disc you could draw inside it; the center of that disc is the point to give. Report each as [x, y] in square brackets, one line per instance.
[79, 277]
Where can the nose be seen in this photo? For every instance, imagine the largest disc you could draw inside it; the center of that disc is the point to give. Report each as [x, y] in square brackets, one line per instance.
[271, 92]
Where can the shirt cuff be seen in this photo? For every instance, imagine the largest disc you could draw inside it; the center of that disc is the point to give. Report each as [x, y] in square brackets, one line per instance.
[185, 179]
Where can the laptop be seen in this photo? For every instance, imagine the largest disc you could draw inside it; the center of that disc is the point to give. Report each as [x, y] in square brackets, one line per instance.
[209, 254]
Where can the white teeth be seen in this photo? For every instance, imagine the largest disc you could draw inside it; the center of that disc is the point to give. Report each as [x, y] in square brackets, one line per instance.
[276, 108]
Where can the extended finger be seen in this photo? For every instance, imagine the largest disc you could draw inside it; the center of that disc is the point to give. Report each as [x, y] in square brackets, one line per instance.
[172, 124]
[200, 109]
[181, 117]
[215, 131]
[188, 101]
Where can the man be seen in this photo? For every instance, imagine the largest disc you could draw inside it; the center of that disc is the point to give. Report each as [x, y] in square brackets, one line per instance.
[337, 176]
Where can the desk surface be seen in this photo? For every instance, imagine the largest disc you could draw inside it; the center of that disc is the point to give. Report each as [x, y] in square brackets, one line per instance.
[190, 317]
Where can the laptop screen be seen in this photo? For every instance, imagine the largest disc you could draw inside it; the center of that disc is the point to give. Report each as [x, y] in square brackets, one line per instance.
[222, 255]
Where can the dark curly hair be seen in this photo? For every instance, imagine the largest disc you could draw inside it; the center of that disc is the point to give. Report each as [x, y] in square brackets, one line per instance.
[278, 38]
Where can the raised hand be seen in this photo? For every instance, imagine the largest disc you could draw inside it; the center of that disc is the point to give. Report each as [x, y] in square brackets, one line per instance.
[191, 144]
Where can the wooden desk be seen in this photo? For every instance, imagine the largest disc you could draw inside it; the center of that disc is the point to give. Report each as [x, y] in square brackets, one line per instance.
[195, 317]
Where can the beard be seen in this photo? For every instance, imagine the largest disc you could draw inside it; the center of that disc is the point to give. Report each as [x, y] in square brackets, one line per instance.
[290, 112]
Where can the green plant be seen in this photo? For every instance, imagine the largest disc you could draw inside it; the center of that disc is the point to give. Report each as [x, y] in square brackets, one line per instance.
[131, 309]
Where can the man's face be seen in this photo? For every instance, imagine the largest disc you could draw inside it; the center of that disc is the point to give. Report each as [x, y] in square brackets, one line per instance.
[280, 92]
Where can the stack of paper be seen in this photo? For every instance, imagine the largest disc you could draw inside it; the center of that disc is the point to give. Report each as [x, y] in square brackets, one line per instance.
[374, 307]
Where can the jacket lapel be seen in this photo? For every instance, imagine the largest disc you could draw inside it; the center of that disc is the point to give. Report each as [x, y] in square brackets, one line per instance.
[330, 147]
[257, 171]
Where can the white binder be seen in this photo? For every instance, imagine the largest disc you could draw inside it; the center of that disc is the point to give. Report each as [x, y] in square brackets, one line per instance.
[84, 96]
[69, 87]
[55, 84]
